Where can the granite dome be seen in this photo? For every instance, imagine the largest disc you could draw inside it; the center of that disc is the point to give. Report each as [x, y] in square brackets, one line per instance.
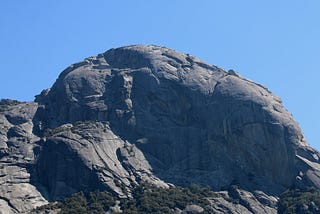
[150, 114]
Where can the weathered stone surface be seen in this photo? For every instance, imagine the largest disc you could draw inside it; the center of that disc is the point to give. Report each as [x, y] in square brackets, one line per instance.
[101, 158]
[150, 114]
[240, 201]
[192, 209]
[17, 194]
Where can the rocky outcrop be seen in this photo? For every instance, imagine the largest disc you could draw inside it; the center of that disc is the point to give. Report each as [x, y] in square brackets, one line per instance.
[236, 200]
[149, 114]
[17, 193]
[91, 150]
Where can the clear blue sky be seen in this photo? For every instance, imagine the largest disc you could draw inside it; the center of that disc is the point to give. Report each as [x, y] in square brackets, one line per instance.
[276, 43]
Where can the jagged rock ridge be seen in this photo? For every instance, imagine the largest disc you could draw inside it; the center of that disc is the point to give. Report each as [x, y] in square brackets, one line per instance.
[149, 114]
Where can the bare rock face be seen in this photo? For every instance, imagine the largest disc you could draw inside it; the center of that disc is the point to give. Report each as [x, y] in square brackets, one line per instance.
[150, 114]
[89, 156]
[17, 194]
[241, 201]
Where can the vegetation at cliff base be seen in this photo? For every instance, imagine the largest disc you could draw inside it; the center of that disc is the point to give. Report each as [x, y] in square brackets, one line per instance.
[145, 199]
[300, 201]
[151, 199]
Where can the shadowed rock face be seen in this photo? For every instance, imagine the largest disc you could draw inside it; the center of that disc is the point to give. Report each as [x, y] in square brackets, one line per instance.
[150, 114]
